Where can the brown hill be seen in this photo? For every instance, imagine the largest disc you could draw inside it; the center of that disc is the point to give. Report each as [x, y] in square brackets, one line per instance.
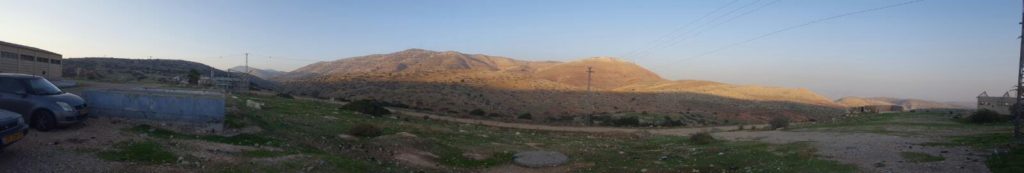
[454, 83]
[610, 73]
[908, 104]
[414, 61]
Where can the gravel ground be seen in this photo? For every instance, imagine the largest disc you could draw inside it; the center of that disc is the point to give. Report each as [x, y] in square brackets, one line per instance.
[874, 152]
[65, 150]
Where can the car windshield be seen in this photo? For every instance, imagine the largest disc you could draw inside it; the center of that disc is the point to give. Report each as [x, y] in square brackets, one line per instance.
[43, 87]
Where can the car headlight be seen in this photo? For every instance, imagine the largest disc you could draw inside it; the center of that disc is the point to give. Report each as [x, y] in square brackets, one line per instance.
[65, 106]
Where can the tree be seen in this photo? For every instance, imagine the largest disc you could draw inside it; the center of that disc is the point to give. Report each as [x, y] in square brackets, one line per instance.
[193, 77]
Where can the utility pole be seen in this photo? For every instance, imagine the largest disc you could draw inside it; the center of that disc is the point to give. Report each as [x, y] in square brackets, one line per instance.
[589, 101]
[246, 75]
[1017, 108]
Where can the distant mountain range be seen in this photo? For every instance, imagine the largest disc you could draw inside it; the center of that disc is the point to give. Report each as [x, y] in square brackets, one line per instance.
[262, 73]
[451, 81]
[908, 104]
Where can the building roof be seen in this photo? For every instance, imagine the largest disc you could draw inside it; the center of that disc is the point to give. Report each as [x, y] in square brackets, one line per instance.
[27, 47]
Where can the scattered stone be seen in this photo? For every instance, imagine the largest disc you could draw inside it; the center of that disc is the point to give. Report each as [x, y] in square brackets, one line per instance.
[253, 104]
[348, 137]
[406, 134]
[474, 156]
[536, 159]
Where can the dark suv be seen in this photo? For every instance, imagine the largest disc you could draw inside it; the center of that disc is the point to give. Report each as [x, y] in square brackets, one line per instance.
[44, 105]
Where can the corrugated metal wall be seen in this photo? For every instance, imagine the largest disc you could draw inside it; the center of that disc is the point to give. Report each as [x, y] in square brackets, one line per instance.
[14, 62]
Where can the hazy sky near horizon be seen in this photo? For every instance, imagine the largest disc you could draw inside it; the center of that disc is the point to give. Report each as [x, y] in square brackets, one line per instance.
[945, 50]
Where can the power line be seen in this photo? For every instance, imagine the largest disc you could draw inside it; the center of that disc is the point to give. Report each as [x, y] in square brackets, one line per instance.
[812, 22]
[680, 28]
[711, 24]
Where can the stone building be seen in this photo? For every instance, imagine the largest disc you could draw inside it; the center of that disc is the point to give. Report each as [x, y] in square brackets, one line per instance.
[997, 104]
[16, 58]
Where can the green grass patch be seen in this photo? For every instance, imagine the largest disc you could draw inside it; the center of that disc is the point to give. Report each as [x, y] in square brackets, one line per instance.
[241, 139]
[1010, 162]
[141, 152]
[916, 157]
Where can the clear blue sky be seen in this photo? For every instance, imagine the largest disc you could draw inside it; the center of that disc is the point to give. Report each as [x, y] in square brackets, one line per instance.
[947, 50]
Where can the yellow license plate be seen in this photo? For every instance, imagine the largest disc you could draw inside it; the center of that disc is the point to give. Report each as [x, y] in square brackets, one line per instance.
[13, 137]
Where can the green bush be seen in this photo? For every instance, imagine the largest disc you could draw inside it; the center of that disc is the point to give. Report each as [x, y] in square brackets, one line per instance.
[477, 112]
[526, 116]
[779, 122]
[365, 130]
[369, 107]
[285, 95]
[626, 121]
[985, 116]
[702, 138]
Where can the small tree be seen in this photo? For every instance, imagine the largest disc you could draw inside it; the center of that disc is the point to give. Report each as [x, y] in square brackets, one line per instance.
[702, 138]
[193, 77]
[368, 107]
[526, 116]
[477, 112]
[779, 122]
[365, 130]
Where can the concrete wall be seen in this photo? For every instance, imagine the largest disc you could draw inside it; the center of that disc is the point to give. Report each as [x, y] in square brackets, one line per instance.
[181, 106]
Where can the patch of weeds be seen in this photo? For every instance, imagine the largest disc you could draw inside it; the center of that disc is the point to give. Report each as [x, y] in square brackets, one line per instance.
[702, 138]
[1007, 162]
[916, 157]
[348, 164]
[242, 139]
[141, 152]
[452, 156]
[365, 130]
[984, 140]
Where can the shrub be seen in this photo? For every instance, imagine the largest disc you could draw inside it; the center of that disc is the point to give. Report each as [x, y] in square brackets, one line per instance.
[527, 116]
[365, 130]
[477, 112]
[285, 95]
[368, 107]
[492, 114]
[626, 121]
[702, 138]
[985, 116]
[779, 122]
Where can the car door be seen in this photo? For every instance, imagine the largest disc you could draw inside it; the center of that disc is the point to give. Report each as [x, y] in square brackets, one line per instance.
[12, 96]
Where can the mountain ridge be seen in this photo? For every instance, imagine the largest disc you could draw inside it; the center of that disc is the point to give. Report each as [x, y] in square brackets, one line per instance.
[512, 86]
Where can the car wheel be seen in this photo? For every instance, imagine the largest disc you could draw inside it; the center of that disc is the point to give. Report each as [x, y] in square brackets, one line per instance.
[44, 121]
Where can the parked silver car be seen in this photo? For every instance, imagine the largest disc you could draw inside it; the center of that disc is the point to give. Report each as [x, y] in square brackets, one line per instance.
[12, 128]
[44, 105]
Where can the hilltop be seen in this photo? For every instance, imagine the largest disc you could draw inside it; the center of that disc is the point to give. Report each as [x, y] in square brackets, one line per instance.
[262, 73]
[456, 83]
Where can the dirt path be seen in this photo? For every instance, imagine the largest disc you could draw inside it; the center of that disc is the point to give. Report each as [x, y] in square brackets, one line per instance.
[665, 131]
[874, 152]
